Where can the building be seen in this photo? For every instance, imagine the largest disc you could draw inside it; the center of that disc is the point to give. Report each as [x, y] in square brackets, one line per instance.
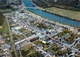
[0, 27]
[52, 55]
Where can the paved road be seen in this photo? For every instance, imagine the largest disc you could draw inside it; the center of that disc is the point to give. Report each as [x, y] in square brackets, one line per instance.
[12, 42]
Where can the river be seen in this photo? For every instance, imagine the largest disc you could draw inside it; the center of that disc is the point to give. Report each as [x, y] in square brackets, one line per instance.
[52, 17]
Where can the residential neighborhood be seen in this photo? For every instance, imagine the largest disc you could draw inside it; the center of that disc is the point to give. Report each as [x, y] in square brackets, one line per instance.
[30, 31]
[47, 37]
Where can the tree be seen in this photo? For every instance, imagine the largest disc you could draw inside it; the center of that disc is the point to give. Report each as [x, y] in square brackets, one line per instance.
[61, 21]
[71, 24]
[56, 20]
[79, 29]
[66, 23]
[75, 3]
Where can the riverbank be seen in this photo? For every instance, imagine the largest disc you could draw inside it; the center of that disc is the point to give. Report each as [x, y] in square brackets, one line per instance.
[65, 14]
[46, 20]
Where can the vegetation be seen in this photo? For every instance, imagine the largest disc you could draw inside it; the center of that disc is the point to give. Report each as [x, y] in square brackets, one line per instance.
[63, 12]
[26, 32]
[55, 49]
[35, 54]
[78, 45]
[44, 45]
[29, 51]
[3, 2]
[12, 53]
[22, 29]
[71, 38]
[79, 29]
[72, 4]
[65, 8]
[4, 28]
[15, 36]
[41, 25]
[63, 52]
[65, 31]
[6, 10]
[32, 21]
[1, 18]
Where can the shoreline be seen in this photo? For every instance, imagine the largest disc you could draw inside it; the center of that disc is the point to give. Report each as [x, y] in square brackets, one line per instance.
[52, 12]
[53, 22]
[57, 23]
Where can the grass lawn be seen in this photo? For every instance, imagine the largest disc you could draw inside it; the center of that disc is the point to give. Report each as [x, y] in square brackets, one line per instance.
[5, 28]
[64, 12]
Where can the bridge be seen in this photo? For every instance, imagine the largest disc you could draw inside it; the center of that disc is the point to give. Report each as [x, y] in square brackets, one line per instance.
[32, 7]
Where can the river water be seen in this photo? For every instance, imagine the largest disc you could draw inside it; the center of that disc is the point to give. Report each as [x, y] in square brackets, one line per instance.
[52, 17]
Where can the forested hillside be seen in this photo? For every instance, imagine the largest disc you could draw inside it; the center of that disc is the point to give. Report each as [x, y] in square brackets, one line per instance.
[66, 4]
[6, 3]
[3, 2]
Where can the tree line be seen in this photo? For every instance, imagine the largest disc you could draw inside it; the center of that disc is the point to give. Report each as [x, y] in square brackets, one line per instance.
[1, 18]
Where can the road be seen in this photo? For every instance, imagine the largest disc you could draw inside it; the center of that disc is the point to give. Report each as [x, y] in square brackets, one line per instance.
[12, 42]
[19, 51]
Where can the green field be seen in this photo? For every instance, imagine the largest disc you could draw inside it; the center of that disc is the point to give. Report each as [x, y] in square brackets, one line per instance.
[5, 28]
[67, 13]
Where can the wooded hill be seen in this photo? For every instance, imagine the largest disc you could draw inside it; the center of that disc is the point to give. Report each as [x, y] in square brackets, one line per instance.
[6, 3]
[65, 4]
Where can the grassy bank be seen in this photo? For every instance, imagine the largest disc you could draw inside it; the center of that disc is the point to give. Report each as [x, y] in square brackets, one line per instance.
[66, 13]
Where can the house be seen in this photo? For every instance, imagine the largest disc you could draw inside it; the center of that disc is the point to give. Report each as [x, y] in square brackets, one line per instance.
[44, 42]
[0, 27]
[45, 55]
[78, 33]
[48, 52]
[52, 55]
[8, 56]
[1, 41]
[5, 50]
[37, 49]
[40, 46]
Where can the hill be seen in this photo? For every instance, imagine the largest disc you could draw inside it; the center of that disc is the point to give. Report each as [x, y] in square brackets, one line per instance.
[64, 4]
[6, 3]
